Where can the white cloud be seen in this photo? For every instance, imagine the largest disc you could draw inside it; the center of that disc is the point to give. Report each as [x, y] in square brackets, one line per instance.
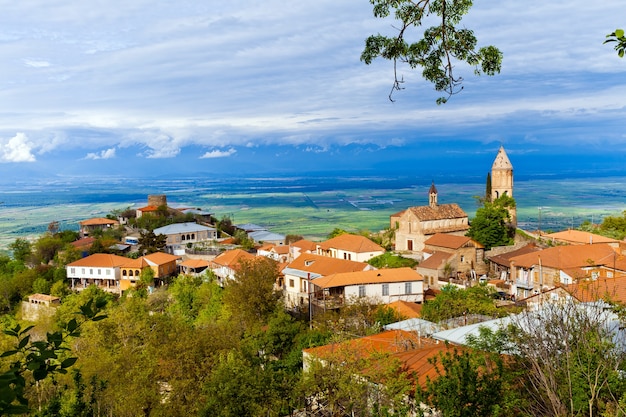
[36, 63]
[105, 154]
[17, 149]
[218, 154]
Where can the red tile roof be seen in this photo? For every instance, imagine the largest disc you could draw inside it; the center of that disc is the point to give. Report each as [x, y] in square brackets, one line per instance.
[98, 221]
[450, 241]
[579, 237]
[232, 258]
[407, 309]
[368, 277]
[569, 257]
[438, 212]
[609, 289]
[351, 243]
[324, 265]
[102, 260]
[415, 353]
[435, 261]
[195, 263]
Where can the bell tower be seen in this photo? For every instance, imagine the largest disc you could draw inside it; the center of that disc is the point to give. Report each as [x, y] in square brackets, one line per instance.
[432, 196]
[502, 180]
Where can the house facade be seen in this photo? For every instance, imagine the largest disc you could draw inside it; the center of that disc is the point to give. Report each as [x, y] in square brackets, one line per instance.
[415, 225]
[180, 234]
[542, 270]
[162, 264]
[89, 226]
[380, 286]
[469, 259]
[226, 264]
[100, 269]
[307, 267]
[350, 247]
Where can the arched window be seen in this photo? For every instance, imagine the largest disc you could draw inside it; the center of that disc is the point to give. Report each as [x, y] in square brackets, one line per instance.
[193, 236]
[124, 272]
[130, 273]
[137, 272]
[183, 237]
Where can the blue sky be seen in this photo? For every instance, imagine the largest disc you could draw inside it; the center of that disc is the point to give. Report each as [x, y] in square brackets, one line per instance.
[236, 87]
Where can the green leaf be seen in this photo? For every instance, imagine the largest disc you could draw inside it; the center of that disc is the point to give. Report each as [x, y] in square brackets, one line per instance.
[619, 33]
[68, 362]
[40, 374]
[34, 365]
[8, 353]
[23, 342]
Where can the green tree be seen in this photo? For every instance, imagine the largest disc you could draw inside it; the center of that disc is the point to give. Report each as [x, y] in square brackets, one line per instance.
[488, 188]
[492, 224]
[251, 298]
[149, 242]
[470, 384]
[391, 260]
[454, 302]
[336, 232]
[619, 39]
[21, 249]
[439, 48]
[39, 359]
[242, 239]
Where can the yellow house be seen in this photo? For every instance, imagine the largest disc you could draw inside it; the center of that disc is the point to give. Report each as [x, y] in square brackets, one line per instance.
[162, 264]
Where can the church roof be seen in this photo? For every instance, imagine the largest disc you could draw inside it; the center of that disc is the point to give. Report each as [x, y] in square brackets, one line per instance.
[438, 212]
[433, 189]
[502, 160]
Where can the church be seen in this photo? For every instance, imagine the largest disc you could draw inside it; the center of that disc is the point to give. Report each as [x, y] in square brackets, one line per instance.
[415, 225]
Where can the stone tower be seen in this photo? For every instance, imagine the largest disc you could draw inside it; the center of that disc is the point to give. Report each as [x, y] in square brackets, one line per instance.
[432, 195]
[502, 179]
[157, 200]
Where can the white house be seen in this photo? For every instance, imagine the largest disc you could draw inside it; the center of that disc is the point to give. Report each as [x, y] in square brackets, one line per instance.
[99, 269]
[180, 234]
[380, 286]
[308, 267]
[351, 247]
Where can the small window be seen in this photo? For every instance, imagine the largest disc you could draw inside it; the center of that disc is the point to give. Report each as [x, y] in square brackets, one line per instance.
[462, 258]
[90, 271]
[72, 270]
[291, 283]
[99, 271]
[385, 289]
[361, 290]
[407, 288]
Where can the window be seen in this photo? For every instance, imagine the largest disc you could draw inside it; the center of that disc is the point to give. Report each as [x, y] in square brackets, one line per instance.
[462, 258]
[361, 290]
[291, 283]
[72, 270]
[90, 271]
[385, 289]
[99, 271]
[407, 288]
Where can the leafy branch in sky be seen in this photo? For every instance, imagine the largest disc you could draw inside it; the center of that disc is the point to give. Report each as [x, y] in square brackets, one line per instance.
[438, 49]
[619, 39]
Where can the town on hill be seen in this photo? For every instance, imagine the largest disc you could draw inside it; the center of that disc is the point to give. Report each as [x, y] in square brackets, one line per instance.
[171, 311]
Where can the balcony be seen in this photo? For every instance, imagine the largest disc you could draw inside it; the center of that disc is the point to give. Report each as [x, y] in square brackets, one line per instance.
[523, 284]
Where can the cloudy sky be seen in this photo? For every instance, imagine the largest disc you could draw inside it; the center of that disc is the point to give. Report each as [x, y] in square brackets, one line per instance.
[141, 87]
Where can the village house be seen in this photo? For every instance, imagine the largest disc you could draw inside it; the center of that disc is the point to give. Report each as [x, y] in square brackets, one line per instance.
[542, 270]
[436, 268]
[193, 266]
[279, 253]
[415, 225]
[415, 354]
[180, 235]
[162, 264]
[226, 264]
[300, 247]
[500, 258]
[89, 226]
[307, 267]
[578, 237]
[265, 236]
[351, 247]
[468, 259]
[39, 305]
[99, 269]
[380, 286]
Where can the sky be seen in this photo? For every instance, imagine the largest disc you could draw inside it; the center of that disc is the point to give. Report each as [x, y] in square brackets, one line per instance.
[239, 87]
